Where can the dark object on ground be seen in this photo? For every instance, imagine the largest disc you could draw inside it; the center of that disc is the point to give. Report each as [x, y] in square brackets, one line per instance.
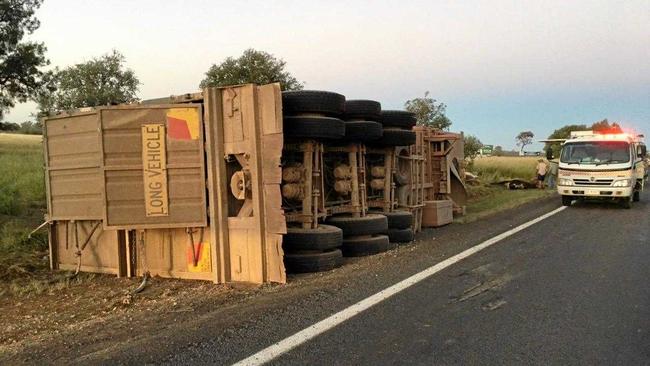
[398, 219]
[313, 262]
[400, 235]
[355, 226]
[324, 237]
[366, 245]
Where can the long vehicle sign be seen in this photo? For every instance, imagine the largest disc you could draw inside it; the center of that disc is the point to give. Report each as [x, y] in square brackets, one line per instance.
[154, 168]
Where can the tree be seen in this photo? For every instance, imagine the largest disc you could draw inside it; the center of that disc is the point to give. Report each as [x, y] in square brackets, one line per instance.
[498, 151]
[565, 132]
[524, 138]
[429, 112]
[562, 133]
[605, 126]
[20, 61]
[31, 128]
[101, 81]
[252, 66]
[9, 126]
[472, 146]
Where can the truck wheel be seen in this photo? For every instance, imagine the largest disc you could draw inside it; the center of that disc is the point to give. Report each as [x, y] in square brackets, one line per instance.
[324, 237]
[400, 235]
[398, 219]
[362, 246]
[313, 101]
[366, 109]
[313, 262]
[626, 202]
[401, 119]
[566, 200]
[363, 131]
[355, 226]
[325, 128]
[396, 137]
[637, 196]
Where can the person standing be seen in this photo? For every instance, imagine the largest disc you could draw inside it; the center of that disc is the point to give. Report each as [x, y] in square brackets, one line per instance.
[541, 169]
[552, 173]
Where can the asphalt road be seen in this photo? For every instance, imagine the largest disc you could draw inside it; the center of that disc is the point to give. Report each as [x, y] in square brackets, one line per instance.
[572, 289]
[569, 290]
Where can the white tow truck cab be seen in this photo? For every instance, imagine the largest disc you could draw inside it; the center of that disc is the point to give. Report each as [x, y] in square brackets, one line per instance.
[603, 166]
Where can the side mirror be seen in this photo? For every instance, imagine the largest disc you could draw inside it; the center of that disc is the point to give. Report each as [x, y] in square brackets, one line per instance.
[641, 151]
[549, 154]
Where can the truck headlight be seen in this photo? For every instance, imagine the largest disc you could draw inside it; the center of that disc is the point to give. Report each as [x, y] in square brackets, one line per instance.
[621, 183]
[565, 182]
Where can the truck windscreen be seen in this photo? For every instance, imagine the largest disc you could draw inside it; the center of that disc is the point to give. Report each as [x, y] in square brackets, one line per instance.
[596, 152]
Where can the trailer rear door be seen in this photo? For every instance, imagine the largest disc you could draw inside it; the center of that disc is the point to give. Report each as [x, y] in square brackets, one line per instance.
[153, 166]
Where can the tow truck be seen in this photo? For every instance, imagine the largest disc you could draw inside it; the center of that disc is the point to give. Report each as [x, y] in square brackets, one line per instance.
[605, 166]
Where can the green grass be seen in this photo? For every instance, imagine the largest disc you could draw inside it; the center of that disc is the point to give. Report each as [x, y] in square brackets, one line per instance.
[486, 199]
[22, 205]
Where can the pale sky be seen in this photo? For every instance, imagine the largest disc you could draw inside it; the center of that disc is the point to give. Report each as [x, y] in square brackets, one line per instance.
[500, 66]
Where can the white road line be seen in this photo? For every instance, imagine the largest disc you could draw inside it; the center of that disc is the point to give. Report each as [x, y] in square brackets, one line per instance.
[324, 325]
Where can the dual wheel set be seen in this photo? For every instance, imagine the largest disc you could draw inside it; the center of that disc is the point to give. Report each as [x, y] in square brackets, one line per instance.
[328, 221]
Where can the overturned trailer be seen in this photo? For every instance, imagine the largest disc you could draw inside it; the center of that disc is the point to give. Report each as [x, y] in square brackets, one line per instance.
[233, 184]
[189, 188]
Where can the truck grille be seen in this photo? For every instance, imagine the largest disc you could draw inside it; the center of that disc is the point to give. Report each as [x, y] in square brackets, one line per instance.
[596, 182]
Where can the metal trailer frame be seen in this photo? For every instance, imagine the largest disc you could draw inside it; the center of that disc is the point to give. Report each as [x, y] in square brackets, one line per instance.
[403, 160]
[351, 155]
[443, 166]
[312, 206]
[242, 234]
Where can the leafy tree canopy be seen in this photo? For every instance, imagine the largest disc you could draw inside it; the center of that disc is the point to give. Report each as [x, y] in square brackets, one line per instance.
[20, 61]
[524, 138]
[472, 146]
[253, 66]
[565, 132]
[101, 81]
[429, 112]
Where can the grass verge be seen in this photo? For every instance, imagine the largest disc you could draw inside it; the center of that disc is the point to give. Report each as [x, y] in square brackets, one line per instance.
[22, 205]
[486, 199]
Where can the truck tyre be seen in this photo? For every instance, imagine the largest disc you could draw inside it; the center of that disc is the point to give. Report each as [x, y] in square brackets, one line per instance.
[366, 109]
[398, 219]
[355, 226]
[313, 101]
[566, 200]
[319, 128]
[626, 202]
[313, 262]
[400, 235]
[324, 237]
[637, 196]
[396, 137]
[400, 119]
[363, 131]
[362, 246]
